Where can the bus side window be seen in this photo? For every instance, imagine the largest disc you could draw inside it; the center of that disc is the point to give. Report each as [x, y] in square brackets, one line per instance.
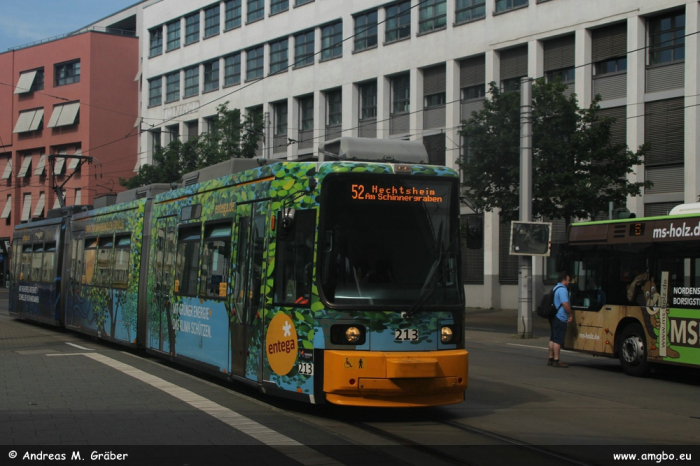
[586, 290]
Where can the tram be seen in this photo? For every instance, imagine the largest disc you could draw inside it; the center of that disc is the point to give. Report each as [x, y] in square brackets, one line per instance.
[335, 280]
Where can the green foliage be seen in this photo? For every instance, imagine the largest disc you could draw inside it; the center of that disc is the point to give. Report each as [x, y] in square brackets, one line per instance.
[229, 137]
[577, 169]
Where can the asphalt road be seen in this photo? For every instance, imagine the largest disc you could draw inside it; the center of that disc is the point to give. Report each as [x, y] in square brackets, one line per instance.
[61, 392]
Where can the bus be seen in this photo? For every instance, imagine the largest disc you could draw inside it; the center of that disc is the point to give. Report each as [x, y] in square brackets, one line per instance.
[635, 289]
[335, 280]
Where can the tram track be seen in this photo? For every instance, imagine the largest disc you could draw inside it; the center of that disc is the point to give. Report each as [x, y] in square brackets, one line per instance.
[460, 444]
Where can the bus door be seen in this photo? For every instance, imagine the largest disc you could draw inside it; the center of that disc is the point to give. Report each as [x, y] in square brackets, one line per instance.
[163, 333]
[247, 339]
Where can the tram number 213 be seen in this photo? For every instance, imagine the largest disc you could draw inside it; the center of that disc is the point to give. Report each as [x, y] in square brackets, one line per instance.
[306, 368]
[406, 334]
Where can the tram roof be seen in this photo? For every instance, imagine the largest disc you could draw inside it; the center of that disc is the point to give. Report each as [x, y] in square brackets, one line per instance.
[374, 150]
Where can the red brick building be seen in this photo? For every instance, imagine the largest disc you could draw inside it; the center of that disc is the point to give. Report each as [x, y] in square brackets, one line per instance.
[74, 96]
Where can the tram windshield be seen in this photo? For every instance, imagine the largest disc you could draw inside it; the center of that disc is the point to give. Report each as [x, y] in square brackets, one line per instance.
[389, 241]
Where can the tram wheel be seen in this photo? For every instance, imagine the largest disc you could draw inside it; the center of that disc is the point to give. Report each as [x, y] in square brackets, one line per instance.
[633, 353]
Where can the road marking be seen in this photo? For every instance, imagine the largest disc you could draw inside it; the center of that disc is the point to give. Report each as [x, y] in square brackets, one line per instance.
[80, 347]
[537, 347]
[285, 445]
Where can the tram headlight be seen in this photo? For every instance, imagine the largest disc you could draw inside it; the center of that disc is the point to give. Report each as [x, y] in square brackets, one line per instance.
[446, 334]
[352, 335]
[450, 334]
[348, 334]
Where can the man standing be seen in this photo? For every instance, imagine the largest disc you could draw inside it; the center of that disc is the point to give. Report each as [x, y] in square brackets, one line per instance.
[559, 322]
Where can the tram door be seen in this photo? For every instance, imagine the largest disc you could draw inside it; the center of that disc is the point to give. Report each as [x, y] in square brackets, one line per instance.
[160, 317]
[247, 339]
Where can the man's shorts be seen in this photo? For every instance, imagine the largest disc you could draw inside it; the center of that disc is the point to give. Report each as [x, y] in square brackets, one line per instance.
[558, 331]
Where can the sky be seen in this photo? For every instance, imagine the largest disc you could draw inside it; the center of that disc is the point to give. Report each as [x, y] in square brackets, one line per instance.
[26, 21]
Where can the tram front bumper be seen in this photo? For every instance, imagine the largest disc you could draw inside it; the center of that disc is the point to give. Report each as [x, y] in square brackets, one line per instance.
[369, 378]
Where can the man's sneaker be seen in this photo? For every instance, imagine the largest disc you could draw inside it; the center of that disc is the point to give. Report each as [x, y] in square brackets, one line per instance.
[559, 364]
[550, 361]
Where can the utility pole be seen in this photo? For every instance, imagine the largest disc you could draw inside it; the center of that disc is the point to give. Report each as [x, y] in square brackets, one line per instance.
[525, 262]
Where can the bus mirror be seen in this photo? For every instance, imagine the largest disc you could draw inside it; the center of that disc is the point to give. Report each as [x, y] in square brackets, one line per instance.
[561, 261]
[474, 233]
[288, 218]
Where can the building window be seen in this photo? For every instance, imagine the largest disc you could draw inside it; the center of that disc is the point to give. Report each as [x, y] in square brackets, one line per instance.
[211, 76]
[192, 81]
[613, 65]
[474, 92]
[331, 41]
[281, 119]
[511, 84]
[211, 20]
[172, 90]
[232, 70]
[398, 21]
[279, 52]
[567, 75]
[233, 14]
[306, 109]
[335, 107]
[667, 39]
[503, 5]
[256, 10]
[254, 63]
[401, 94]
[432, 15]
[174, 35]
[278, 6]
[366, 30]
[30, 81]
[368, 100]
[155, 92]
[435, 100]
[304, 49]
[302, 2]
[156, 42]
[67, 73]
[467, 10]
[192, 28]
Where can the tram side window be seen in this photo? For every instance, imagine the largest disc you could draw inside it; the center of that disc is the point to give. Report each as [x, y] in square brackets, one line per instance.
[37, 253]
[89, 261]
[121, 262]
[16, 259]
[25, 272]
[216, 261]
[294, 261]
[49, 262]
[187, 261]
[77, 267]
[586, 286]
[103, 269]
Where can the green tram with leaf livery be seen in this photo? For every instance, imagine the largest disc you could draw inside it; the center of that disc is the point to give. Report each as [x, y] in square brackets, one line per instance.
[335, 280]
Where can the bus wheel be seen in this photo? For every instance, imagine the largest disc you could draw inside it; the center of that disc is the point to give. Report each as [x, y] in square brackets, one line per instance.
[633, 355]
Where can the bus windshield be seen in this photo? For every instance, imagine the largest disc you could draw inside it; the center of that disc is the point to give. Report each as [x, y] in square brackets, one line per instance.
[389, 240]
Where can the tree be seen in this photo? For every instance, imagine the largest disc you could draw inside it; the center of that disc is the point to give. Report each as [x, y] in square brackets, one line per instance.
[228, 137]
[577, 169]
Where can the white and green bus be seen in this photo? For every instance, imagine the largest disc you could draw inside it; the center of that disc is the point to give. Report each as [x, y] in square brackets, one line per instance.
[635, 289]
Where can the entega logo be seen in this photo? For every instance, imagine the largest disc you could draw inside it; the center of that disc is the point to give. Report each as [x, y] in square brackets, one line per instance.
[281, 344]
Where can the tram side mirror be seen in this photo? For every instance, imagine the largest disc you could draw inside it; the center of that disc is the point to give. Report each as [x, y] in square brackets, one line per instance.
[328, 244]
[288, 218]
[474, 233]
